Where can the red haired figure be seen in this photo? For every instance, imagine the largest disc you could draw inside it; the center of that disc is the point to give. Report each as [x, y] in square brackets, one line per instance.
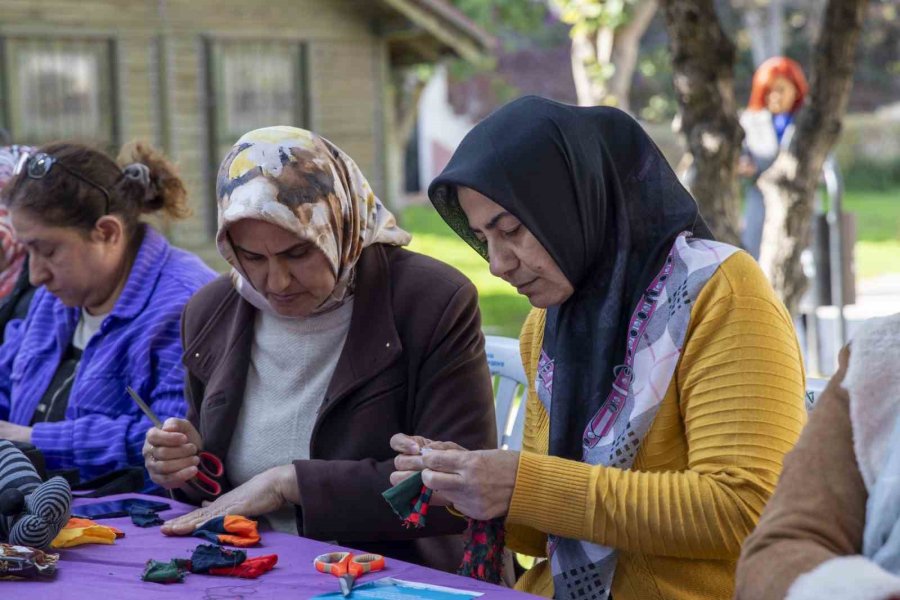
[779, 88]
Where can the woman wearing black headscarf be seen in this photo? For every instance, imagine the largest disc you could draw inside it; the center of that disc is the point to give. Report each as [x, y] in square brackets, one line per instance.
[665, 381]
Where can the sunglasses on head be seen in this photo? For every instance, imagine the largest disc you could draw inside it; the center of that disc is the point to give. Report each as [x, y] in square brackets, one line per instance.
[36, 166]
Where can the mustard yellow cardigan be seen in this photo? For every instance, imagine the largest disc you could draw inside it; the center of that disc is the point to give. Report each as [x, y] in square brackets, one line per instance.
[706, 468]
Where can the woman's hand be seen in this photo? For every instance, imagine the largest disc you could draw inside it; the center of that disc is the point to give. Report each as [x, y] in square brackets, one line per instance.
[263, 494]
[409, 457]
[171, 453]
[478, 483]
[14, 433]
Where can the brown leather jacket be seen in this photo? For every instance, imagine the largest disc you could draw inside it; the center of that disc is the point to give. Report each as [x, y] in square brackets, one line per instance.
[818, 510]
[413, 362]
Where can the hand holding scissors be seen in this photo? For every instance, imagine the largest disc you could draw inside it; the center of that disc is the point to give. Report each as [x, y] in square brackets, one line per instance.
[210, 468]
[348, 567]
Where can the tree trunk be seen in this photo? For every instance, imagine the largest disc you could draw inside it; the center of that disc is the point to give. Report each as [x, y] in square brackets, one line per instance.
[609, 46]
[626, 46]
[582, 53]
[703, 62]
[589, 51]
[789, 185]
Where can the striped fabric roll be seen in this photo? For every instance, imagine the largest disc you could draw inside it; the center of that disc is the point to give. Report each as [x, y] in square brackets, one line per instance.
[16, 471]
[47, 505]
[47, 511]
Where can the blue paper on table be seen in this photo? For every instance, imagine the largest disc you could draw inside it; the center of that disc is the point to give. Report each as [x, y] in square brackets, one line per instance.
[397, 589]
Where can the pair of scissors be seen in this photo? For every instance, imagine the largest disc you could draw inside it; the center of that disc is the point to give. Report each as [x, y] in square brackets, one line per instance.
[210, 468]
[347, 567]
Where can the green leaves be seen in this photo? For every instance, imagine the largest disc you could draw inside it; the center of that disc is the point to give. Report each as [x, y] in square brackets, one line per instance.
[588, 16]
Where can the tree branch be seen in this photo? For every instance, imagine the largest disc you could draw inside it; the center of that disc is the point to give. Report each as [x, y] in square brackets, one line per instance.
[703, 63]
[625, 51]
[789, 185]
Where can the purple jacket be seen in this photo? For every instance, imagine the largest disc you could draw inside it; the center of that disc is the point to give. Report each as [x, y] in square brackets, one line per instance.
[139, 344]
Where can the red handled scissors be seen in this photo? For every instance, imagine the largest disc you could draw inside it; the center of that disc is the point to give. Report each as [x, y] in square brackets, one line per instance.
[348, 567]
[210, 468]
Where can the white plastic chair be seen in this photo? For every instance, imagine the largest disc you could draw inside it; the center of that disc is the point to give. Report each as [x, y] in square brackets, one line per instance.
[505, 364]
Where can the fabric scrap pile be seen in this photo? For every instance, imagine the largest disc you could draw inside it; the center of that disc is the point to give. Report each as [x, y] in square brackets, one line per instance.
[22, 562]
[230, 530]
[143, 516]
[208, 559]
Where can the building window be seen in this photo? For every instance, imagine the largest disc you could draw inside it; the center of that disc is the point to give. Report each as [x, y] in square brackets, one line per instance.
[59, 89]
[251, 84]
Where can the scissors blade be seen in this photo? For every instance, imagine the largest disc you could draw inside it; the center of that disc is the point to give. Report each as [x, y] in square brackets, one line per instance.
[143, 406]
[346, 582]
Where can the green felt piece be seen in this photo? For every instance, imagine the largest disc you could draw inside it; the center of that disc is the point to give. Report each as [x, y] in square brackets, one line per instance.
[402, 495]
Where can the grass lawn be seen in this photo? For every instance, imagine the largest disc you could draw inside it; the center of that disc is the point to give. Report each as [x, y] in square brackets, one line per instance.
[503, 310]
[878, 231]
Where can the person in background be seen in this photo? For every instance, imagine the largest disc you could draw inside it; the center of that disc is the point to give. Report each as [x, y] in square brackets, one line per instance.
[778, 91]
[326, 339]
[832, 528]
[107, 313]
[15, 289]
[665, 382]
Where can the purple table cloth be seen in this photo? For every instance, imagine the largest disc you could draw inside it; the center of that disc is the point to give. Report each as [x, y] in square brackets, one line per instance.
[110, 572]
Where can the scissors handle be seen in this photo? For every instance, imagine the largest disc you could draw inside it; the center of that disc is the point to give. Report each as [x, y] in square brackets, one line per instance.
[333, 563]
[365, 563]
[210, 464]
[205, 484]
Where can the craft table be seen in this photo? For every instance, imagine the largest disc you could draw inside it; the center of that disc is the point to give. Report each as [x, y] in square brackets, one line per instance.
[113, 572]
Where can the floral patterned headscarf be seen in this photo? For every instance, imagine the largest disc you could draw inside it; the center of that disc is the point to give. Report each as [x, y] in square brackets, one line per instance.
[303, 183]
[13, 252]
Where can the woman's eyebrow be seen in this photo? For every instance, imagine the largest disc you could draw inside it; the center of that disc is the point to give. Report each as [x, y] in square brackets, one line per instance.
[493, 222]
[294, 248]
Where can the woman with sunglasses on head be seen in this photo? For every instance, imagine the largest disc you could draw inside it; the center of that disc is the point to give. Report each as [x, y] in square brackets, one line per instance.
[326, 339]
[107, 311]
[665, 380]
[15, 289]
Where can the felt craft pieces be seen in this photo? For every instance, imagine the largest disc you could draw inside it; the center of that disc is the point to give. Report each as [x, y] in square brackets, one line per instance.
[484, 540]
[250, 568]
[232, 530]
[174, 571]
[22, 562]
[409, 500]
[78, 532]
[143, 516]
[208, 556]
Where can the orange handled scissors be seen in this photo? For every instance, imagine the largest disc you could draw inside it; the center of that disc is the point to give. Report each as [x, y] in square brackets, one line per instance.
[347, 567]
[210, 468]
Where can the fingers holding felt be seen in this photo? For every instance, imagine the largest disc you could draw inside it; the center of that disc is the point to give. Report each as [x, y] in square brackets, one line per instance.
[443, 482]
[408, 444]
[445, 461]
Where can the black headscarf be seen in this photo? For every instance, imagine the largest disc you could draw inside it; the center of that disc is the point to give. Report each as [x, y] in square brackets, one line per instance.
[598, 194]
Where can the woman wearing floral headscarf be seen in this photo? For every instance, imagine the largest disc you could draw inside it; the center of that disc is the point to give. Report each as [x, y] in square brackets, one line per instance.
[15, 290]
[326, 339]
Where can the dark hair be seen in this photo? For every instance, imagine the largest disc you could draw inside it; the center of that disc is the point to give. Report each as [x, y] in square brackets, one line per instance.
[63, 200]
